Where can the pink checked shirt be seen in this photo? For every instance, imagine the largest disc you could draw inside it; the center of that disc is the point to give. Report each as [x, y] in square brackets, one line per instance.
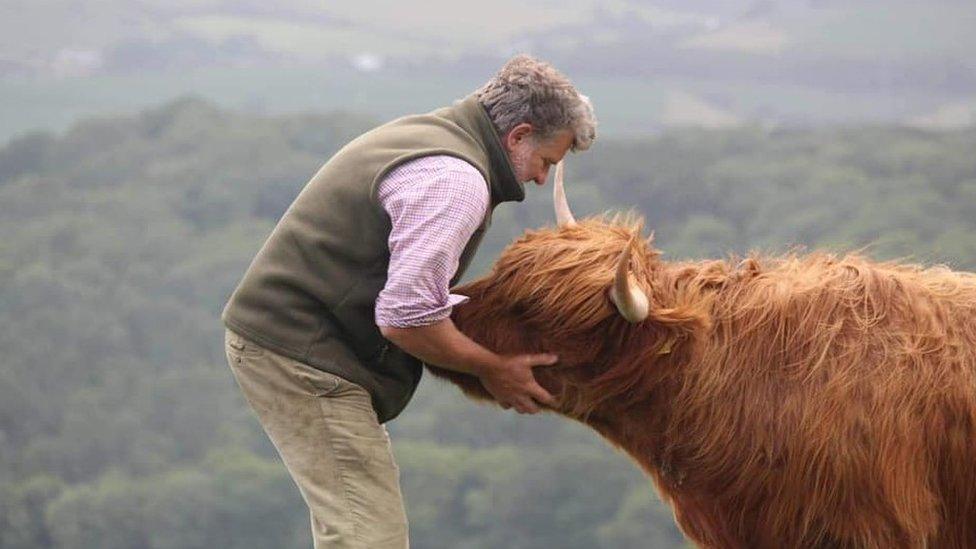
[435, 204]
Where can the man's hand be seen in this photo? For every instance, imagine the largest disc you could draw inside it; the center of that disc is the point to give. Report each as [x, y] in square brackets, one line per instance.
[507, 377]
[513, 385]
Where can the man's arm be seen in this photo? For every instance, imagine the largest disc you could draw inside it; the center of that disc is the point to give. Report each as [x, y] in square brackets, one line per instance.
[435, 204]
[508, 378]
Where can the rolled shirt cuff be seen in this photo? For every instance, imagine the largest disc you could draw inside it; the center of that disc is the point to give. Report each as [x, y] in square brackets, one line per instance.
[411, 317]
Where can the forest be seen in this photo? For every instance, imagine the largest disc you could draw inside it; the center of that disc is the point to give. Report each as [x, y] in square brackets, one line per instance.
[120, 423]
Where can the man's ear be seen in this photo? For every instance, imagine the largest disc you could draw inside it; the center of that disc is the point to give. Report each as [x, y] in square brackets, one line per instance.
[517, 134]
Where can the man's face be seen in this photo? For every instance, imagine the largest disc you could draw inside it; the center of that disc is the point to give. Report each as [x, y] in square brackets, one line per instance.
[531, 157]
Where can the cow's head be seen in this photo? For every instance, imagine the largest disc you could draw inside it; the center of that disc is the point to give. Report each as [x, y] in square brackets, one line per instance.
[586, 291]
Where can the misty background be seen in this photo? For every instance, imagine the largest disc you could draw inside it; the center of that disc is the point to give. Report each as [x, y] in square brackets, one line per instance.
[647, 64]
[148, 147]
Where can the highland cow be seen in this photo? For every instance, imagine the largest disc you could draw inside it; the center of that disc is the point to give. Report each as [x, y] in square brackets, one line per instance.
[794, 401]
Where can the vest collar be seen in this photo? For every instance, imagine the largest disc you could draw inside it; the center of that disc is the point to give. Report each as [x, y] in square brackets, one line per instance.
[505, 187]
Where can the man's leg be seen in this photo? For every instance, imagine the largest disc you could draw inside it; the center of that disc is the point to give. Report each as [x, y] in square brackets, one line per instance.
[327, 434]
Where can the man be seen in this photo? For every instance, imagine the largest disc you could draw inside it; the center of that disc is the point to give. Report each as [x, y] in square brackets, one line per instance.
[328, 328]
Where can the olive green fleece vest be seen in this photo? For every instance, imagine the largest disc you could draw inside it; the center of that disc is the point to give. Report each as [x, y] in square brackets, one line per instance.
[310, 292]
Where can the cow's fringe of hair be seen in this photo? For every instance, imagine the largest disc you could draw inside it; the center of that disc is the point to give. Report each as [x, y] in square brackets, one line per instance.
[579, 305]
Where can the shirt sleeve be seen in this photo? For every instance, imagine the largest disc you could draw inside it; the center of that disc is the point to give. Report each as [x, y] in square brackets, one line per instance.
[435, 204]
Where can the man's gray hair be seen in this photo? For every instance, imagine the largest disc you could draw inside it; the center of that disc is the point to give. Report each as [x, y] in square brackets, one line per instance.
[529, 90]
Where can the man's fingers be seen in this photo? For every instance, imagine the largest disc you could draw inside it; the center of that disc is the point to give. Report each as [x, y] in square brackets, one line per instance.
[542, 395]
[522, 385]
[543, 359]
[527, 408]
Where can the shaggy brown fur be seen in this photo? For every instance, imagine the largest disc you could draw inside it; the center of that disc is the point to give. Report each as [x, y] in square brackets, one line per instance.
[796, 401]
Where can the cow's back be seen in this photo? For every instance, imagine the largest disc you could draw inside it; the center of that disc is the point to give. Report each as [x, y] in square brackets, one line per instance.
[834, 403]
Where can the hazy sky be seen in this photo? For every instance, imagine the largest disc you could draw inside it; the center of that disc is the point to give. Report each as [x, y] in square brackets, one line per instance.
[35, 31]
[662, 62]
[73, 38]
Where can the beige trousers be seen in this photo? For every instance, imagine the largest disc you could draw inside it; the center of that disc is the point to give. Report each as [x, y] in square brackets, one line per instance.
[327, 434]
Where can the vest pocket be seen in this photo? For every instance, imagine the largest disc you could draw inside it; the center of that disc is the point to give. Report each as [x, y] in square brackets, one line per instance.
[241, 347]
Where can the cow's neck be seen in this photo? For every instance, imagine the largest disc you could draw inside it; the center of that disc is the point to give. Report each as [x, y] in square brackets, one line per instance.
[627, 432]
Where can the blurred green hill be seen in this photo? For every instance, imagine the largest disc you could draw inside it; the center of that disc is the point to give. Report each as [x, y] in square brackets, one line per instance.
[120, 426]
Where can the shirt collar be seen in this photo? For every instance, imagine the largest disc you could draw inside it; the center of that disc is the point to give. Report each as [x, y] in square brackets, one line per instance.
[505, 187]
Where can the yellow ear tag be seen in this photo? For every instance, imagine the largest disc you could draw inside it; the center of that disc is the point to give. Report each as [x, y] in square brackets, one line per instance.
[667, 348]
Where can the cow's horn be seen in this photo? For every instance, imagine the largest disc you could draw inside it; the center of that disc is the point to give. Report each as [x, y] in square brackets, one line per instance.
[564, 217]
[626, 295]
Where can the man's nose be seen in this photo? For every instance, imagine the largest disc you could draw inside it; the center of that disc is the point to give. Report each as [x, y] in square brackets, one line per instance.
[543, 175]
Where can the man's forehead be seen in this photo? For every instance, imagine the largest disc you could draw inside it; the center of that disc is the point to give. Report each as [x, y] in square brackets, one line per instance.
[559, 143]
